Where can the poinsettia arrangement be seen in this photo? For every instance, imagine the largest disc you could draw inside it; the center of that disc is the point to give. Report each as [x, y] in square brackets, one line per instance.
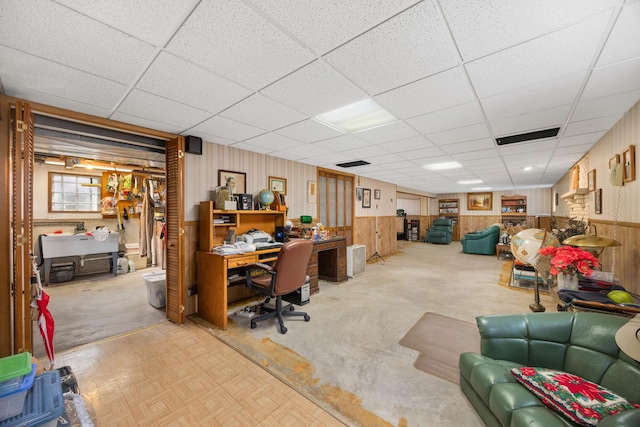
[570, 260]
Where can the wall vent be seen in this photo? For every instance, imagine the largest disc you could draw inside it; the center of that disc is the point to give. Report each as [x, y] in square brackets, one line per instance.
[529, 136]
[352, 164]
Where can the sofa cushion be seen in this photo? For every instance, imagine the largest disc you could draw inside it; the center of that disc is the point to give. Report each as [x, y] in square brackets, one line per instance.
[581, 401]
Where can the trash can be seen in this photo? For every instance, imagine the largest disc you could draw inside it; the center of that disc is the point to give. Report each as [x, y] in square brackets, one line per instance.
[156, 283]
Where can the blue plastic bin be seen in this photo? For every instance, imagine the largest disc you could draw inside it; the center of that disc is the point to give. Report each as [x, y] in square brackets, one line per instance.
[11, 403]
[12, 369]
[43, 405]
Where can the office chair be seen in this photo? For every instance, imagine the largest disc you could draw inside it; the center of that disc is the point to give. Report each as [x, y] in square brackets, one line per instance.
[287, 275]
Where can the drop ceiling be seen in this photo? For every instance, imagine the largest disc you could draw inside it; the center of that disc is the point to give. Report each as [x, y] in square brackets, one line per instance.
[253, 74]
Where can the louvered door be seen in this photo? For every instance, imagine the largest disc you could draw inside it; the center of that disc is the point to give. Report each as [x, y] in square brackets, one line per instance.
[175, 230]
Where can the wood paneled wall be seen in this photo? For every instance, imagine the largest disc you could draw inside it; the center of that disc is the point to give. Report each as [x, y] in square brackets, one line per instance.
[387, 237]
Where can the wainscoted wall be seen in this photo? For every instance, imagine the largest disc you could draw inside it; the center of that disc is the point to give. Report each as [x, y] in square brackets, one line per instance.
[620, 217]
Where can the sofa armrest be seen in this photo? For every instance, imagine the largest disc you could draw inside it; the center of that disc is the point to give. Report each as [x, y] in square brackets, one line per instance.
[623, 419]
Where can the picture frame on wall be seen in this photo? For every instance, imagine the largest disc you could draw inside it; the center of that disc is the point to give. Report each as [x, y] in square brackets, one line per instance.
[359, 194]
[629, 164]
[598, 201]
[591, 178]
[480, 201]
[278, 184]
[238, 180]
[366, 197]
[376, 194]
[311, 192]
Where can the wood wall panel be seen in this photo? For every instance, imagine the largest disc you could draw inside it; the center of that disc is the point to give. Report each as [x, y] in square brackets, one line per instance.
[387, 237]
[469, 224]
[190, 247]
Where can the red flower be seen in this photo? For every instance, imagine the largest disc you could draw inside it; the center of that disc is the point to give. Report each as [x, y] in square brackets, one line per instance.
[527, 371]
[551, 387]
[570, 260]
[577, 385]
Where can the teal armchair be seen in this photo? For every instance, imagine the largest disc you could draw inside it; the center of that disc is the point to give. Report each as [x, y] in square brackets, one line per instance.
[441, 231]
[481, 242]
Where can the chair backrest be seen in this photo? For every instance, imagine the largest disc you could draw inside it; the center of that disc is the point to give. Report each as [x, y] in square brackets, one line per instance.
[291, 266]
[443, 223]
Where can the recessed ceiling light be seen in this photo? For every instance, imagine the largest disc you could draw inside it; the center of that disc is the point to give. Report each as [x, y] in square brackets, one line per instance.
[528, 168]
[473, 181]
[442, 166]
[355, 117]
[481, 188]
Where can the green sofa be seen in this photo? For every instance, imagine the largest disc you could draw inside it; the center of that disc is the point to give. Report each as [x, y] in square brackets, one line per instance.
[580, 343]
[481, 242]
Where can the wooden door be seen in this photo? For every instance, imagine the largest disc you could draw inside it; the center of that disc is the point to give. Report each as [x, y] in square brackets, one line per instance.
[174, 232]
[22, 156]
[335, 207]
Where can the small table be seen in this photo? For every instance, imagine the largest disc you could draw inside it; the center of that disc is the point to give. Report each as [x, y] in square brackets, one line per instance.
[502, 248]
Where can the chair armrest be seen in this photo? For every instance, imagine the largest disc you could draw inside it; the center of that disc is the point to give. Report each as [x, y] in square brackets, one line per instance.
[260, 266]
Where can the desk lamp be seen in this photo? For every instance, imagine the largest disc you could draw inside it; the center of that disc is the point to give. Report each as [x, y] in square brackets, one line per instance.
[591, 242]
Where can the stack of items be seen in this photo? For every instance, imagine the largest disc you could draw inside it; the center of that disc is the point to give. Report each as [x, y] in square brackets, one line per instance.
[523, 276]
[27, 399]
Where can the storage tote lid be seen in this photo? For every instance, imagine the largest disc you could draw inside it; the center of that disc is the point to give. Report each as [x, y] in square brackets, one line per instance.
[43, 404]
[15, 366]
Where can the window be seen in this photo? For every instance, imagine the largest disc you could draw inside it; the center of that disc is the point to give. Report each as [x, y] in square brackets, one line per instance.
[335, 208]
[74, 193]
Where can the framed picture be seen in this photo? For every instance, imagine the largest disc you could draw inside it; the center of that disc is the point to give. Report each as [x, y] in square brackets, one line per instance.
[592, 180]
[278, 184]
[237, 180]
[311, 192]
[376, 194]
[613, 160]
[629, 164]
[598, 201]
[480, 201]
[366, 197]
[359, 194]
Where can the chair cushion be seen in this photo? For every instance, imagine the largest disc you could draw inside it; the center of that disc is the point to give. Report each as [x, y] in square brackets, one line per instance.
[579, 400]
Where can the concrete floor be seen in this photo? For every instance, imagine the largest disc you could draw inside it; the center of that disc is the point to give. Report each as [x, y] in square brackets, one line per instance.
[351, 343]
[92, 307]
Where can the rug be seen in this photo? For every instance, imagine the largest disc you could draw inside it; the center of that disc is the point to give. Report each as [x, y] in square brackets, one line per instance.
[440, 341]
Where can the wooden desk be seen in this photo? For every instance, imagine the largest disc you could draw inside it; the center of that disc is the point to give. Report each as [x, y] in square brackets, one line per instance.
[328, 262]
[502, 248]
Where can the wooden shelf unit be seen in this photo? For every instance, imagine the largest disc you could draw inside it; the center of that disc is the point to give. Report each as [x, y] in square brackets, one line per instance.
[212, 234]
[450, 209]
[513, 210]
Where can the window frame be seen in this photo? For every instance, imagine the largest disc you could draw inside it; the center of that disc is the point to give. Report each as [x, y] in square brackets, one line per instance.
[98, 189]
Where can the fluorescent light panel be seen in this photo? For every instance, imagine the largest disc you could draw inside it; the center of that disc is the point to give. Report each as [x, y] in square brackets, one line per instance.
[473, 181]
[442, 166]
[359, 116]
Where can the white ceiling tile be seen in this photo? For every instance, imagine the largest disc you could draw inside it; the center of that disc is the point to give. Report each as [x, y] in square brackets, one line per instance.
[484, 26]
[327, 160]
[563, 52]
[613, 105]
[371, 60]
[256, 148]
[574, 149]
[391, 132]
[591, 125]
[386, 159]
[422, 153]
[58, 80]
[150, 20]
[541, 96]
[308, 21]
[81, 42]
[54, 100]
[152, 107]
[460, 115]
[466, 133]
[365, 152]
[141, 121]
[314, 89]
[469, 146]
[619, 45]
[522, 148]
[470, 156]
[545, 119]
[408, 144]
[300, 152]
[342, 143]
[263, 112]
[274, 142]
[617, 78]
[255, 51]
[444, 90]
[227, 129]
[189, 84]
[212, 138]
[308, 131]
[585, 138]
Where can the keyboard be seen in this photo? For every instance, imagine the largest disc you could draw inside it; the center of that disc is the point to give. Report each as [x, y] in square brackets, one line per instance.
[264, 245]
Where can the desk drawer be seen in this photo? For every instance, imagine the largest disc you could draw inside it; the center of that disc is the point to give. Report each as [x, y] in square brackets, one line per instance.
[312, 270]
[241, 261]
[314, 258]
